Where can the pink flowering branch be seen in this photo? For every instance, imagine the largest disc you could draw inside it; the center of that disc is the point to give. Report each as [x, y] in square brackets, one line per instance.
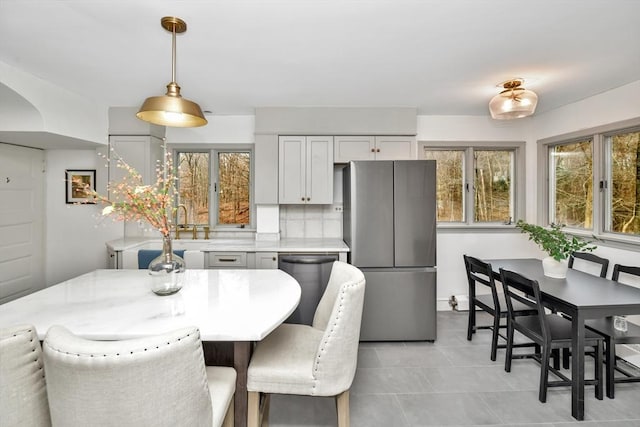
[132, 200]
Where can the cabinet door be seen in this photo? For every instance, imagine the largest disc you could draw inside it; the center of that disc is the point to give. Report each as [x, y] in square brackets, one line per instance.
[140, 152]
[347, 148]
[319, 170]
[292, 169]
[395, 148]
[266, 260]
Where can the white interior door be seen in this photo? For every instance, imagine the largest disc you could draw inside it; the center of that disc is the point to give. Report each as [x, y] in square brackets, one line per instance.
[21, 221]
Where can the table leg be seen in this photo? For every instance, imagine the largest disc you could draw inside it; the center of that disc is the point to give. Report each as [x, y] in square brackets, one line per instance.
[577, 366]
[241, 356]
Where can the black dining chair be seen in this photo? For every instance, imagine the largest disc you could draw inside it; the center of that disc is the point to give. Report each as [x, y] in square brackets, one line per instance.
[548, 330]
[591, 260]
[612, 336]
[480, 272]
[589, 264]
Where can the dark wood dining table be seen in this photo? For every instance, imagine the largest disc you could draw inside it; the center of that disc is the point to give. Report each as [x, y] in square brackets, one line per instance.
[582, 296]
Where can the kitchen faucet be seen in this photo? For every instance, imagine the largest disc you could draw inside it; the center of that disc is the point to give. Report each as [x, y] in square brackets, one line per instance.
[185, 225]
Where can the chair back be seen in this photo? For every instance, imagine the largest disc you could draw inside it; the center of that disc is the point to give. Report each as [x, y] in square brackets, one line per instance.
[23, 392]
[339, 314]
[159, 380]
[526, 291]
[625, 269]
[592, 264]
[480, 272]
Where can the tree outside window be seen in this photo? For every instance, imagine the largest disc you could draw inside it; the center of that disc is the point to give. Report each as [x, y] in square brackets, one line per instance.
[624, 177]
[572, 184]
[228, 196]
[490, 197]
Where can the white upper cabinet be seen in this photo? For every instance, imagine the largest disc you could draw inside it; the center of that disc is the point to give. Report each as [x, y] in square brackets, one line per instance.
[143, 153]
[305, 174]
[349, 148]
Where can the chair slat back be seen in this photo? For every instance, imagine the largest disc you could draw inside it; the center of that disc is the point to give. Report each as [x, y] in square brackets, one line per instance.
[519, 288]
[591, 258]
[626, 269]
[480, 272]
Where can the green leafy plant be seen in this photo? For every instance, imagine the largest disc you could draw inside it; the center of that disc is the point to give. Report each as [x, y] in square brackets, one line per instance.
[554, 241]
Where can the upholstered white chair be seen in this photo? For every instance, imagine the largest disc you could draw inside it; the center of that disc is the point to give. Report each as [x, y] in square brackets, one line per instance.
[317, 360]
[159, 380]
[23, 393]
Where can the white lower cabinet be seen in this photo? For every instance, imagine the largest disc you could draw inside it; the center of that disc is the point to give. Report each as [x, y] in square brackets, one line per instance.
[242, 260]
[265, 260]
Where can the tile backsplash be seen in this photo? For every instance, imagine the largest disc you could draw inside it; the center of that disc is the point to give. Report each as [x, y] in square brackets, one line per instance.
[311, 221]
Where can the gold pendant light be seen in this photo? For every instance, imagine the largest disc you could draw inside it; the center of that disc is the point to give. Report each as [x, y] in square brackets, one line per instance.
[513, 102]
[172, 109]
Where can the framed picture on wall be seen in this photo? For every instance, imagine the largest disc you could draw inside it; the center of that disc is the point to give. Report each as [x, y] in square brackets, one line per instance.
[78, 184]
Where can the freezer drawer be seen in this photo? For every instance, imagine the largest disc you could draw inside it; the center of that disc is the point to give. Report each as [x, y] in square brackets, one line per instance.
[399, 305]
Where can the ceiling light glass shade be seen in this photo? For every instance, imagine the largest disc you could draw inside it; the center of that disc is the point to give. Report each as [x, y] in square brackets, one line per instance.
[514, 102]
[172, 109]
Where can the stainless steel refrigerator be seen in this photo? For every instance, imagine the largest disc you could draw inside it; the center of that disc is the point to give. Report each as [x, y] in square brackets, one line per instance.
[390, 226]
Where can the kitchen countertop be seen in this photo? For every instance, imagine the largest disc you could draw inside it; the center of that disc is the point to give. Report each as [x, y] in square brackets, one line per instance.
[314, 245]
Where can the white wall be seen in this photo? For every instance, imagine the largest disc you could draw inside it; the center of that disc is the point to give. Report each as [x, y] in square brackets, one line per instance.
[75, 235]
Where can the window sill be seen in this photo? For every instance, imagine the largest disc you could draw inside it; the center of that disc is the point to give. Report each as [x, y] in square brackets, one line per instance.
[476, 228]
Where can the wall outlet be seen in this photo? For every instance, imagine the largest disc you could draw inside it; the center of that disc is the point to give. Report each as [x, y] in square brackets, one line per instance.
[337, 208]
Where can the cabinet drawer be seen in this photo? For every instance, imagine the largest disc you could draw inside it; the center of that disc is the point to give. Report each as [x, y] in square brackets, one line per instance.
[227, 259]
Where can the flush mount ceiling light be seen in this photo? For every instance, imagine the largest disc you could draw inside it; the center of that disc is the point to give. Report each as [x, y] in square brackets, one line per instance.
[513, 102]
[172, 109]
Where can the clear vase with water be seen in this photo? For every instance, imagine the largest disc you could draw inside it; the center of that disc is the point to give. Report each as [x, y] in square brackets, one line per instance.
[167, 270]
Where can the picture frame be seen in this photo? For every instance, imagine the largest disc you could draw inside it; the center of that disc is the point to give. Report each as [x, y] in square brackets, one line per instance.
[76, 182]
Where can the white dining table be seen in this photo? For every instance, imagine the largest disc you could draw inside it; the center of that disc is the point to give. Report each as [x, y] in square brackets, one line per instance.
[231, 306]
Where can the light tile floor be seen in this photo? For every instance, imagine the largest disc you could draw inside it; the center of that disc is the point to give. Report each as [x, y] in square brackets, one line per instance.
[452, 382]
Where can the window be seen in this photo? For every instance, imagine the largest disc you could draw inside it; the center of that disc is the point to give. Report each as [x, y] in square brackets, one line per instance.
[594, 181]
[623, 176]
[214, 186]
[477, 183]
[572, 184]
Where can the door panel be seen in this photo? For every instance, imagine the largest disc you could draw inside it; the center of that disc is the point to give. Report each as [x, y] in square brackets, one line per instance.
[21, 221]
[319, 183]
[292, 169]
[371, 214]
[399, 305]
[415, 213]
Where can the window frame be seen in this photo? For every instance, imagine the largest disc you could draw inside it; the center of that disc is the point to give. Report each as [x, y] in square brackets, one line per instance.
[469, 147]
[601, 174]
[213, 150]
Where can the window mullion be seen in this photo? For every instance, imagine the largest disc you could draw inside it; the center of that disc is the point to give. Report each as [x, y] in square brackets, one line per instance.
[469, 177]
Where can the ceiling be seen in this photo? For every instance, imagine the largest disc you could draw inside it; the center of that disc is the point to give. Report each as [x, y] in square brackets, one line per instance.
[443, 57]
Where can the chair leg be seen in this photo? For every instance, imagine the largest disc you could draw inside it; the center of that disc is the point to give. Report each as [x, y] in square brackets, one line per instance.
[509, 352]
[566, 355]
[494, 337]
[544, 373]
[257, 416]
[555, 354]
[471, 325]
[598, 371]
[229, 418]
[253, 409]
[342, 406]
[610, 365]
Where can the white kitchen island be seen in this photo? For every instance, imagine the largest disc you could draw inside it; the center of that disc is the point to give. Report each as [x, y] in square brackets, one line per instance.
[236, 307]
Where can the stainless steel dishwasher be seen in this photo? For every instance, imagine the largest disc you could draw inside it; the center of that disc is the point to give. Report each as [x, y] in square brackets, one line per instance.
[312, 271]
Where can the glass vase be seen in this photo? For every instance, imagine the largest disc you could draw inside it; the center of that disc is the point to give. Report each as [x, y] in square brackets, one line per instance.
[167, 270]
